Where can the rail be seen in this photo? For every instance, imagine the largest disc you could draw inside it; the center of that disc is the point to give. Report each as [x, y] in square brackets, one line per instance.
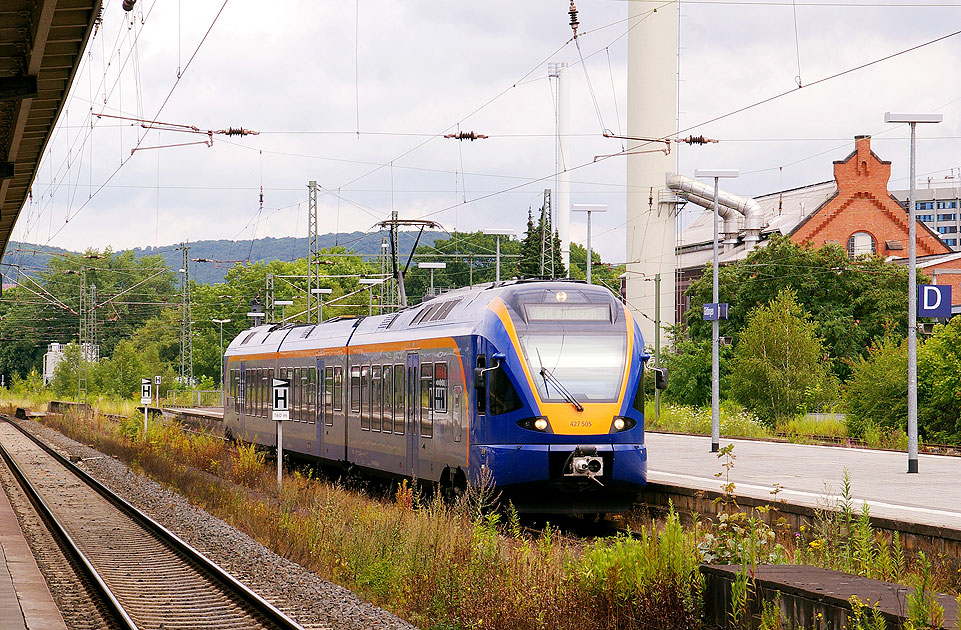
[227, 582]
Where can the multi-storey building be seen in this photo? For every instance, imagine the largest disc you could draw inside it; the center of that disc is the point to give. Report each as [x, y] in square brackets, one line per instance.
[938, 205]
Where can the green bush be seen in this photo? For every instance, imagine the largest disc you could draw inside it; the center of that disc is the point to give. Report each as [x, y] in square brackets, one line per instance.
[689, 370]
[876, 393]
[939, 384]
[779, 367]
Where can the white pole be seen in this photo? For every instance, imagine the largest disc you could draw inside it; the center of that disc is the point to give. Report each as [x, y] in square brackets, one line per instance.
[497, 274]
[588, 246]
[912, 323]
[280, 454]
[715, 359]
[564, 163]
[145, 422]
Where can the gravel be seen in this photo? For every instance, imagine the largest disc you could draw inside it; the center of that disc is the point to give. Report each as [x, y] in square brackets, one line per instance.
[310, 600]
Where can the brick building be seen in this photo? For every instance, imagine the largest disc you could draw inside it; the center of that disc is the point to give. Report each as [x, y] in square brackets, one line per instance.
[855, 211]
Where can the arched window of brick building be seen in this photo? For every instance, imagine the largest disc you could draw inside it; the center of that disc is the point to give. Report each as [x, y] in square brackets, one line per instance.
[861, 243]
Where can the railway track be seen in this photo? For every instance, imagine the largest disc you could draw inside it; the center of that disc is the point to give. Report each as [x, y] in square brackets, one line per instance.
[145, 575]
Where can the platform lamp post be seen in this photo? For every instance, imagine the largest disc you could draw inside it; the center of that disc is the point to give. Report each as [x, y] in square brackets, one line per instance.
[320, 293]
[912, 120]
[717, 174]
[588, 208]
[432, 266]
[222, 389]
[283, 304]
[499, 233]
[370, 282]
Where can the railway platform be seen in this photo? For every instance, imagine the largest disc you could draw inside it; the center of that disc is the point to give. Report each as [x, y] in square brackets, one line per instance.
[811, 476]
[25, 600]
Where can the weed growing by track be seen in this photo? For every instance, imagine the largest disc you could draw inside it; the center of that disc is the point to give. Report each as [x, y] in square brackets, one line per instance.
[437, 565]
[735, 421]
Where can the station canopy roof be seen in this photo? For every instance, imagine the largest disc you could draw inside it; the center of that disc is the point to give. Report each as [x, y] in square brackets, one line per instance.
[41, 46]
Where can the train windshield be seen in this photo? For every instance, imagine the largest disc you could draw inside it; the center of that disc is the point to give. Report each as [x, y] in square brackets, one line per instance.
[589, 367]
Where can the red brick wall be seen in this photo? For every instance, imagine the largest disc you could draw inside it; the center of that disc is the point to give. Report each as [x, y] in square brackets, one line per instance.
[948, 272]
[863, 204]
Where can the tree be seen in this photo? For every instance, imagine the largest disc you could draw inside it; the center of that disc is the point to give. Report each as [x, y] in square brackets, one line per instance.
[939, 384]
[540, 250]
[688, 364]
[602, 273]
[470, 258]
[854, 303]
[877, 392]
[778, 368]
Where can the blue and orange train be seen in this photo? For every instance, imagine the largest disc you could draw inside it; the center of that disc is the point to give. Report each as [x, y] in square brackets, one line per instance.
[533, 387]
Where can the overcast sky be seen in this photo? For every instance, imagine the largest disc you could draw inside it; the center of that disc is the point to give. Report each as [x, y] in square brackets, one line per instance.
[308, 75]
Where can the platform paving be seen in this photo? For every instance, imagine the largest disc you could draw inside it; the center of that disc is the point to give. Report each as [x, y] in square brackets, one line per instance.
[25, 600]
[812, 475]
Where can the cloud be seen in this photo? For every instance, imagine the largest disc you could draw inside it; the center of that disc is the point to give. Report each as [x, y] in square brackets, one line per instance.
[288, 69]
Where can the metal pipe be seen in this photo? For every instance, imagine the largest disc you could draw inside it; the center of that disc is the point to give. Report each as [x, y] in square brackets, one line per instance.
[701, 194]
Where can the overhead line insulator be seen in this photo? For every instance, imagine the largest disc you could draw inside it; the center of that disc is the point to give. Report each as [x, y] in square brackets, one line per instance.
[237, 131]
[466, 135]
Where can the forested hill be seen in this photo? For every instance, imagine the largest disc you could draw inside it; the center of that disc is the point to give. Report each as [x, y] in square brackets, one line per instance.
[33, 258]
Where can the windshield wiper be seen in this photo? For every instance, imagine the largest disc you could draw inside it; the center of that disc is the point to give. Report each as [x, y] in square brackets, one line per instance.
[550, 378]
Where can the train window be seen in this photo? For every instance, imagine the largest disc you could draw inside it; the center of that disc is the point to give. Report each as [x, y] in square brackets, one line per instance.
[302, 394]
[247, 392]
[241, 393]
[376, 397]
[268, 391]
[638, 403]
[255, 390]
[355, 389]
[294, 375]
[365, 397]
[388, 412]
[338, 389]
[328, 395]
[458, 417]
[440, 387]
[426, 399]
[399, 399]
[503, 396]
[312, 395]
[480, 389]
[262, 393]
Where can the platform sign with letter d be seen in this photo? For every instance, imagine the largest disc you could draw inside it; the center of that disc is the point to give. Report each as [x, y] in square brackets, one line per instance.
[934, 300]
[281, 387]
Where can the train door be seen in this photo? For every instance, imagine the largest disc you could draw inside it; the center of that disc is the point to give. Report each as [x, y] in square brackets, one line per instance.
[241, 404]
[413, 412]
[319, 410]
[335, 409]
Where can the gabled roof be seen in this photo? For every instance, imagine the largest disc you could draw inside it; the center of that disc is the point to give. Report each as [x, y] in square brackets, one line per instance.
[800, 212]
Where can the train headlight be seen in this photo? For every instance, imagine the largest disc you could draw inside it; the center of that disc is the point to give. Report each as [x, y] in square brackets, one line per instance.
[537, 423]
[622, 423]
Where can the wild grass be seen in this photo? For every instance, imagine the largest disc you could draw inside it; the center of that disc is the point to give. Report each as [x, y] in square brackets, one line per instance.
[734, 420]
[437, 565]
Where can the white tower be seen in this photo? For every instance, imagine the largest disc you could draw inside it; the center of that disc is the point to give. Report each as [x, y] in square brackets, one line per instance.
[651, 113]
